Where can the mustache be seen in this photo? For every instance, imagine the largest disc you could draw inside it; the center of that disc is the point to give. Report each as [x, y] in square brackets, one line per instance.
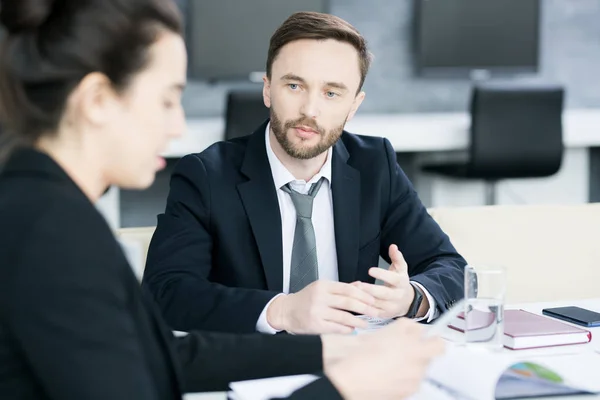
[305, 122]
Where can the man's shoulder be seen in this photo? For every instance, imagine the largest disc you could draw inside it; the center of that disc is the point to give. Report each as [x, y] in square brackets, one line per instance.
[221, 155]
[363, 148]
[356, 143]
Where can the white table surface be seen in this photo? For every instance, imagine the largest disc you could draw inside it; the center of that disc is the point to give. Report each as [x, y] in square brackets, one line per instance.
[450, 334]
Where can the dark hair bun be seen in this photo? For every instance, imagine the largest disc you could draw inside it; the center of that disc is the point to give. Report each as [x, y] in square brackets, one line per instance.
[24, 15]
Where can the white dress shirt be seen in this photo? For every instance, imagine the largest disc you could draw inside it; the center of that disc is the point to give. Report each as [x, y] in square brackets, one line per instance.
[322, 219]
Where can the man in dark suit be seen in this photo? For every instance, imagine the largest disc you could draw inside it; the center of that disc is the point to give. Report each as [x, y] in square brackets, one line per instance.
[281, 230]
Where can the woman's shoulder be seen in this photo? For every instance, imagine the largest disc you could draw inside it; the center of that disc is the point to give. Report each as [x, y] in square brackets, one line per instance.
[57, 221]
[64, 248]
[65, 212]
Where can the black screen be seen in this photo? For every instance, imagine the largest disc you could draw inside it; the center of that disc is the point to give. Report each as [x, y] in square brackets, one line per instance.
[230, 38]
[477, 34]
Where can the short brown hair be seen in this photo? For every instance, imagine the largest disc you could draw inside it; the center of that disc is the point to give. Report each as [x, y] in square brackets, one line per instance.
[319, 26]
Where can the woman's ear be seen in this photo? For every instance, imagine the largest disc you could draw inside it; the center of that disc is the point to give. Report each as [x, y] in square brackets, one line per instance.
[95, 100]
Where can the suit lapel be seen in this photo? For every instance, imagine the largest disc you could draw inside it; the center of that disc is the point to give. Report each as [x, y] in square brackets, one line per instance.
[259, 197]
[345, 188]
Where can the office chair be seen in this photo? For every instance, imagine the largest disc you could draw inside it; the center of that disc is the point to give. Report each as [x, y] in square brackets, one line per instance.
[516, 132]
[244, 113]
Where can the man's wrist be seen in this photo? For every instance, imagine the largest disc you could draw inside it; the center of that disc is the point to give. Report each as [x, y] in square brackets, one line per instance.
[416, 302]
[262, 325]
[276, 313]
[428, 306]
[425, 306]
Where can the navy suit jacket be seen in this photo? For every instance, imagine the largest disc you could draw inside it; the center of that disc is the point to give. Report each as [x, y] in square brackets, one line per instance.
[215, 259]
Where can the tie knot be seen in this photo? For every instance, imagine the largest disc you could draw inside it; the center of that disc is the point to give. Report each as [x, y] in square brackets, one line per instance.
[304, 202]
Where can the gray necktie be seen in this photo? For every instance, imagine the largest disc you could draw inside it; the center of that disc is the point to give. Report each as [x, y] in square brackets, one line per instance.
[304, 268]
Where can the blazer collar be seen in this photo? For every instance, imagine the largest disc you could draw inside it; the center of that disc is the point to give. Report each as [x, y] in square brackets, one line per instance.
[345, 192]
[30, 161]
[259, 198]
[33, 162]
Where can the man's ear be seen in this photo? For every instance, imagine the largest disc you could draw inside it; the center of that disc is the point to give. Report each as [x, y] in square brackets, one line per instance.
[356, 104]
[267, 91]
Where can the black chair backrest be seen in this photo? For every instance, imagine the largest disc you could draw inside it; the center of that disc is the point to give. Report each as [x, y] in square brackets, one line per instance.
[516, 131]
[244, 113]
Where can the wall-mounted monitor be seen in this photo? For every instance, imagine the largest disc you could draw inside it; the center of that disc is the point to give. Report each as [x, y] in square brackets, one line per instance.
[460, 37]
[229, 39]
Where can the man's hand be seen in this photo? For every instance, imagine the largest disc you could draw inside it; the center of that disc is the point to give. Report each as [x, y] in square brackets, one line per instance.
[393, 299]
[321, 307]
[388, 364]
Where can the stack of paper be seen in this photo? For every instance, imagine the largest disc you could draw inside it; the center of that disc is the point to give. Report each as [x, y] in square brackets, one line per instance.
[374, 324]
[263, 389]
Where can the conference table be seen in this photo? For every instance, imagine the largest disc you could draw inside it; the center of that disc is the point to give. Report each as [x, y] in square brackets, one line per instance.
[593, 346]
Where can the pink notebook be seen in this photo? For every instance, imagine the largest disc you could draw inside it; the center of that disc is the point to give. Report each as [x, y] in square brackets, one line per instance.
[525, 330]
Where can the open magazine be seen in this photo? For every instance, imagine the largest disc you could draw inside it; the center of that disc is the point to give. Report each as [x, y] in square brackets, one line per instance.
[463, 373]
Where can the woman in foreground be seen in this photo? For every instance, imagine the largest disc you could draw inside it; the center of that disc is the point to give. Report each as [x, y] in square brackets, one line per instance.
[91, 94]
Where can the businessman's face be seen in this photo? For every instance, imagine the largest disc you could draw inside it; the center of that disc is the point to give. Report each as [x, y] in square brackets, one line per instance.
[311, 94]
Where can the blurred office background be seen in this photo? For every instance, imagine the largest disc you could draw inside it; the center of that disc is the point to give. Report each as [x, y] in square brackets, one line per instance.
[429, 57]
